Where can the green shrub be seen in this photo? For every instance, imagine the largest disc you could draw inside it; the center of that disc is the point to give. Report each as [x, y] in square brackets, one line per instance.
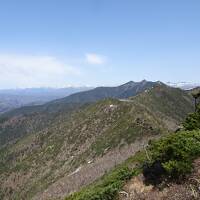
[176, 153]
[192, 122]
[172, 156]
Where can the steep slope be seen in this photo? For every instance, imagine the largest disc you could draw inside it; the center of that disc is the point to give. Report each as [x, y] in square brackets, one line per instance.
[169, 168]
[23, 121]
[76, 149]
[127, 182]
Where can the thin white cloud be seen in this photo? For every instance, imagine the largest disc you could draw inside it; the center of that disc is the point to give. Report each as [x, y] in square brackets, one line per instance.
[95, 59]
[34, 71]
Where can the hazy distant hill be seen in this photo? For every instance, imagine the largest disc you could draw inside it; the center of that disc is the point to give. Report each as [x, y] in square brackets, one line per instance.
[15, 98]
[59, 152]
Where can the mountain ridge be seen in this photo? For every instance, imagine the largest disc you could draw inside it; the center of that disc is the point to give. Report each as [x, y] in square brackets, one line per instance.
[122, 91]
[79, 144]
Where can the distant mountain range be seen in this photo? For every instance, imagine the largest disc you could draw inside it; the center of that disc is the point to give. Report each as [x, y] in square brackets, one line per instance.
[15, 98]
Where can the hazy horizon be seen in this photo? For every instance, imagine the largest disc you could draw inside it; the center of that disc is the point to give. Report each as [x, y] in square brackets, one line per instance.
[176, 84]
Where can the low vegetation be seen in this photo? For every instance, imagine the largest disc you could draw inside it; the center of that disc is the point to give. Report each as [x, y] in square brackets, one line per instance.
[108, 186]
[171, 157]
[105, 189]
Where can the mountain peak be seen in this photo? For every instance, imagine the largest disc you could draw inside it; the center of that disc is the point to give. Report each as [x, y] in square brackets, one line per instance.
[160, 83]
[129, 83]
[132, 83]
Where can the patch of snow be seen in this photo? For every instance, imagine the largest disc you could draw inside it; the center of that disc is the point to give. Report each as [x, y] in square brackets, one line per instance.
[74, 172]
[126, 100]
[90, 161]
[112, 106]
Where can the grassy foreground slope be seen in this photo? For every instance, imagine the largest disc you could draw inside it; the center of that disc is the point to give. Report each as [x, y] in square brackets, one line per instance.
[65, 156]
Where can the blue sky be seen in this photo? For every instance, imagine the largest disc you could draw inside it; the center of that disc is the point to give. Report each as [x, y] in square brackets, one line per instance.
[58, 43]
